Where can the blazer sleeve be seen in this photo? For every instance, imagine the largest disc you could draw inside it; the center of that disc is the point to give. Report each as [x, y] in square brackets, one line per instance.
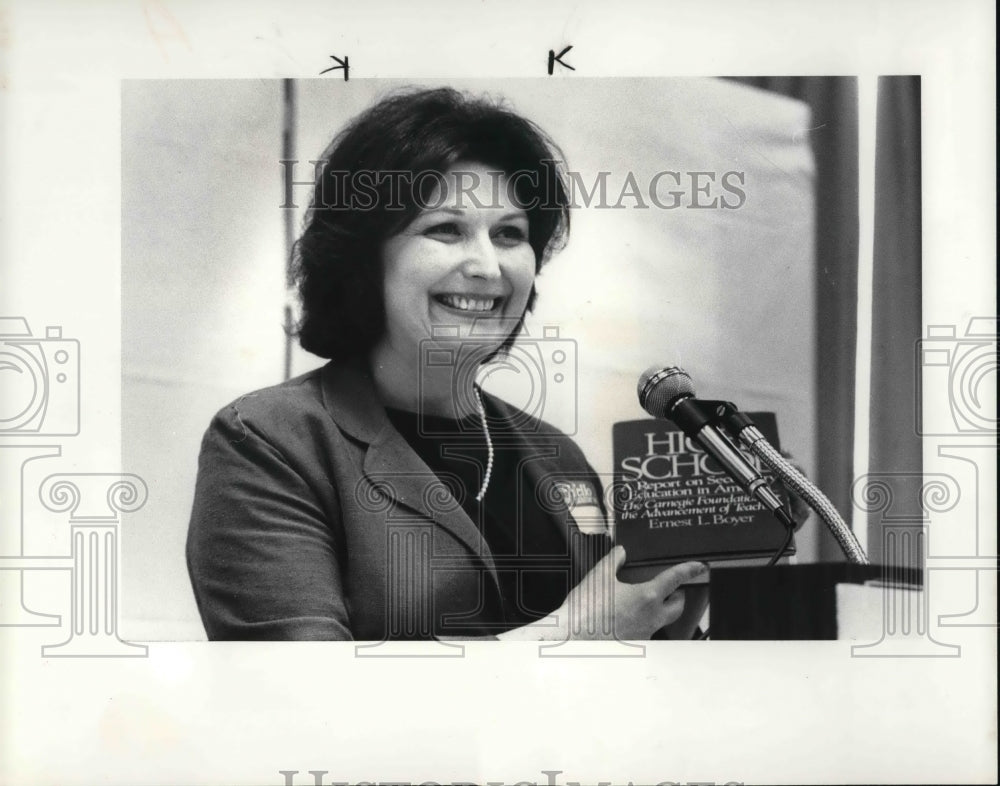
[261, 550]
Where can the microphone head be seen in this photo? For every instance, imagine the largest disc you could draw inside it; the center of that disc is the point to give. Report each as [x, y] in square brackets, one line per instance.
[660, 388]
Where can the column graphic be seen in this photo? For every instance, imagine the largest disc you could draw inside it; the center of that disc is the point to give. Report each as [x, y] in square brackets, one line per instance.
[94, 503]
[905, 607]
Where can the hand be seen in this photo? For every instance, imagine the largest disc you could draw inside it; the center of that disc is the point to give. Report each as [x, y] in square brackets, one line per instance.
[696, 598]
[633, 611]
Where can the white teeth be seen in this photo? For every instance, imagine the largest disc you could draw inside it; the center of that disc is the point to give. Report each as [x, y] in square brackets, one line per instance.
[468, 304]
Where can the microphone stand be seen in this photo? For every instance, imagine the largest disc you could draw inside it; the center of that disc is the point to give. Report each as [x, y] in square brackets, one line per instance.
[749, 435]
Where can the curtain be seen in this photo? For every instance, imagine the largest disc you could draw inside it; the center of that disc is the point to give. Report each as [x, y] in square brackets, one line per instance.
[894, 446]
[834, 136]
[895, 455]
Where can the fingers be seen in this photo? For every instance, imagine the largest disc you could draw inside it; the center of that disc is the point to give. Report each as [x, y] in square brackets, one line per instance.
[612, 561]
[695, 603]
[609, 565]
[669, 580]
[673, 607]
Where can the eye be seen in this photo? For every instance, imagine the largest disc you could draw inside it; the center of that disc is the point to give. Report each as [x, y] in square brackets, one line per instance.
[447, 230]
[510, 235]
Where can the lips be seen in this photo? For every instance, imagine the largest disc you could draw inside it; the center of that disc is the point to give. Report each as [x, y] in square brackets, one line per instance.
[472, 305]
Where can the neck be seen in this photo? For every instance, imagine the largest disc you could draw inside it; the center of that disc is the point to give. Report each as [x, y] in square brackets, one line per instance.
[408, 384]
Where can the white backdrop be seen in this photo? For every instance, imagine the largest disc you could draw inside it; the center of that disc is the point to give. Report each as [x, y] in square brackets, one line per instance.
[726, 293]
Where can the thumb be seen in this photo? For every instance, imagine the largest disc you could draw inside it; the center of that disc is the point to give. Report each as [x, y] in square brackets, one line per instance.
[676, 576]
[614, 559]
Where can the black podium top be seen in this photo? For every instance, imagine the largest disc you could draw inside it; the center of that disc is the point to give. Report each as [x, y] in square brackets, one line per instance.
[789, 602]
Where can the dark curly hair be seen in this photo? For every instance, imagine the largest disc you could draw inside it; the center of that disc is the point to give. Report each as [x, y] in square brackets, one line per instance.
[336, 263]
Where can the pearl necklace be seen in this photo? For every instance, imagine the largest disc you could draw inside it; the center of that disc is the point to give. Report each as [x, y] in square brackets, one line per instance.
[489, 447]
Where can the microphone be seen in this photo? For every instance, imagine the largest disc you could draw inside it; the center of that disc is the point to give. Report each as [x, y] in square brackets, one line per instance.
[669, 393]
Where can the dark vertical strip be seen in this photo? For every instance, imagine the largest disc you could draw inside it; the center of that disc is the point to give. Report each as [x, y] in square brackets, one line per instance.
[834, 135]
[288, 131]
[895, 449]
[835, 143]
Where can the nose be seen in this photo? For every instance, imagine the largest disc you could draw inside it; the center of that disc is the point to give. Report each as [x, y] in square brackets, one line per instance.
[482, 259]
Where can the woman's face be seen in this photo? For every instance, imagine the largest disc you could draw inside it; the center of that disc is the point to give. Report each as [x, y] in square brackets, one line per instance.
[465, 258]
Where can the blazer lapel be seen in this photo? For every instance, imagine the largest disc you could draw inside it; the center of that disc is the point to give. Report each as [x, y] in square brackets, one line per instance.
[548, 472]
[391, 464]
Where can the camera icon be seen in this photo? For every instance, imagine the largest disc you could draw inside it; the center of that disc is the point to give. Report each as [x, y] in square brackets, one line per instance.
[39, 381]
[965, 369]
[538, 376]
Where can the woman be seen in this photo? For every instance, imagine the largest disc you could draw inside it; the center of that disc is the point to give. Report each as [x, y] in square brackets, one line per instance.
[385, 495]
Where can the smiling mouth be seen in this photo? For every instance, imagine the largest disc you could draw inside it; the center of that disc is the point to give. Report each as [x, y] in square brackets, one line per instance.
[475, 305]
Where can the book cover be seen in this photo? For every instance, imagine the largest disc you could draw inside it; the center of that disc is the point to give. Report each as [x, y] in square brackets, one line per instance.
[674, 502]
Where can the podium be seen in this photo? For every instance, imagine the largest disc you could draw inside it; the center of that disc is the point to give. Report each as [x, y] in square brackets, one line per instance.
[824, 600]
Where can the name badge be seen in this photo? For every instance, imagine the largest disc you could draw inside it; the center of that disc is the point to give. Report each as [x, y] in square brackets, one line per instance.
[581, 500]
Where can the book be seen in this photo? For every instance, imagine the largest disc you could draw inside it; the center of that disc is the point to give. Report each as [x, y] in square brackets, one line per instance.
[674, 503]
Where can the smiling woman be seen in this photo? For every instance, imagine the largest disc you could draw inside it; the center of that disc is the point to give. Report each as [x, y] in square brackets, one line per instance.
[452, 267]
[385, 495]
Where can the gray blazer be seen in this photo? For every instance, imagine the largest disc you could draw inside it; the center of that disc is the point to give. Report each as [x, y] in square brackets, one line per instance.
[314, 519]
